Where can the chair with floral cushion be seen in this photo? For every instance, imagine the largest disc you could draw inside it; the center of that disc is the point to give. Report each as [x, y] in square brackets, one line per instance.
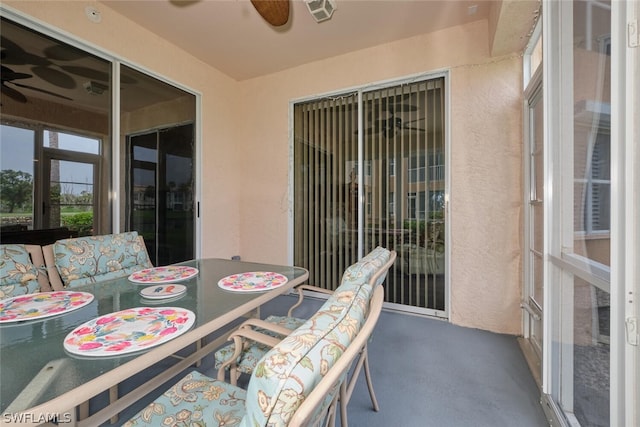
[21, 270]
[90, 259]
[372, 268]
[296, 383]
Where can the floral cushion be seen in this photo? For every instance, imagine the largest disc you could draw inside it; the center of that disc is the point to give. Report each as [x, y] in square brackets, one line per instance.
[248, 360]
[289, 371]
[91, 259]
[372, 262]
[196, 400]
[18, 276]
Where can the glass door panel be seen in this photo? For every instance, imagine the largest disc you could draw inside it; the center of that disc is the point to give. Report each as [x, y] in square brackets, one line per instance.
[159, 125]
[382, 184]
[590, 358]
[161, 193]
[144, 163]
[175, 184]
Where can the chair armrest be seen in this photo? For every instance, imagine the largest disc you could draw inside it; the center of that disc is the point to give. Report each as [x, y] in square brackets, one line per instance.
[300, 290]
[258, 323]
[241, 337]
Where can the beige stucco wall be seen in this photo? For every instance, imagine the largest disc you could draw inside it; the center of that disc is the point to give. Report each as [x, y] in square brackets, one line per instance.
[245, 166]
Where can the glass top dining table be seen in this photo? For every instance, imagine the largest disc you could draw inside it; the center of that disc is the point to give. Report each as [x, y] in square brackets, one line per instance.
[29, 348]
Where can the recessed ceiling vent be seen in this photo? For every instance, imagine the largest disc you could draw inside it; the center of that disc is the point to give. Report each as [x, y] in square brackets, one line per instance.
[321, 10]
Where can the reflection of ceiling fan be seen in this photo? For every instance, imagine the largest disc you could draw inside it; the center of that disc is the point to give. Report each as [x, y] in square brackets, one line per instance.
[388, 118]
[10, 77]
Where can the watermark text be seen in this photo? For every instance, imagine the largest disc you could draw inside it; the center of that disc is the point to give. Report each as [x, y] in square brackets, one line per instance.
[33, 418]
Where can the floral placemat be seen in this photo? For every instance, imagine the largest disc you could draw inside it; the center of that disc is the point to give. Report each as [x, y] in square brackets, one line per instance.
[167, 274]
[252, 281]
[163, 291]
[128, 331]
[41, 305]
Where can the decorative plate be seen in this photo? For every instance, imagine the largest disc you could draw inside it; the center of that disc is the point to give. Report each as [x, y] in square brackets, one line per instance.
[163, 291]
[170, 273]
[41, 305]
[253, 281]
[164, 301]
[128, 331]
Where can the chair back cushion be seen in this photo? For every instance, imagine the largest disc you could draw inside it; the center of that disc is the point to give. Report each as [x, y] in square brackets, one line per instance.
[18, 275]
[370, 264]
[291, 370]
[91, 259]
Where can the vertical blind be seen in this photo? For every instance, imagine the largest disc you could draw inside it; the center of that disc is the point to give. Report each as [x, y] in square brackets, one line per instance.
[398, 202]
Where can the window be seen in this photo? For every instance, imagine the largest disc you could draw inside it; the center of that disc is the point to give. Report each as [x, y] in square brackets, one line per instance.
[416, 169]
[595, 190]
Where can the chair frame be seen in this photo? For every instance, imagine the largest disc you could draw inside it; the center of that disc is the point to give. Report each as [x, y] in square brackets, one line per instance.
[37, 259]
[302, 416]
[246, 333]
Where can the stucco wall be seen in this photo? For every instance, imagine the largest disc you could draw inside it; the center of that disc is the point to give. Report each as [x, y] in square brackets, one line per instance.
[245, 165]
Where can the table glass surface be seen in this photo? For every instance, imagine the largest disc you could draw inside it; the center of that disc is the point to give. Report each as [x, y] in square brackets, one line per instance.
[26, 347]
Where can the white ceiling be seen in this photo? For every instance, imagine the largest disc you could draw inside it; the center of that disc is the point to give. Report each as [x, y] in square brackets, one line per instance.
[232, 37]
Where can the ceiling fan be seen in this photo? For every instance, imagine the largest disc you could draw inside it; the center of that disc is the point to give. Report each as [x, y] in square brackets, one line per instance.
[275, 12]
[386, 117]
[9, 77]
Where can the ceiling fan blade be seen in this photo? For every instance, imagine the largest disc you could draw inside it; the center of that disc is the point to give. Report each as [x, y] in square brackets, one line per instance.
[183, 3]
[275, 12]
[13, 54]
[64, 53]
[13, 94]
[89, 73]
[41, 90]
[8, 74]
[54, 77]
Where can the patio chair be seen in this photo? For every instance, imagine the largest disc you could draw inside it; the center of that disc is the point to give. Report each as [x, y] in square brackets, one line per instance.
[372, 268]
[83, 260]
[22, 270]
[296, 383]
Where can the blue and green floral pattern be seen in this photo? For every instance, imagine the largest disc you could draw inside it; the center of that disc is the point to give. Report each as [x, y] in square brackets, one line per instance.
[196, 400]
[18, 276]
[91, 259]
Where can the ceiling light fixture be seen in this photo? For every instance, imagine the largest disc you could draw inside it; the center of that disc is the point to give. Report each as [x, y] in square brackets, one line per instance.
[321, 10]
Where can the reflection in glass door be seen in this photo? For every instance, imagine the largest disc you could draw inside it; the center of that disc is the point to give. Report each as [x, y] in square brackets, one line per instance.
[70, 196]
[579, 280]
[161, 192]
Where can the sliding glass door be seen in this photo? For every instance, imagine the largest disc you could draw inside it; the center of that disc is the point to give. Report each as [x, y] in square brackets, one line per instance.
[161, 192]
[379, 184]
